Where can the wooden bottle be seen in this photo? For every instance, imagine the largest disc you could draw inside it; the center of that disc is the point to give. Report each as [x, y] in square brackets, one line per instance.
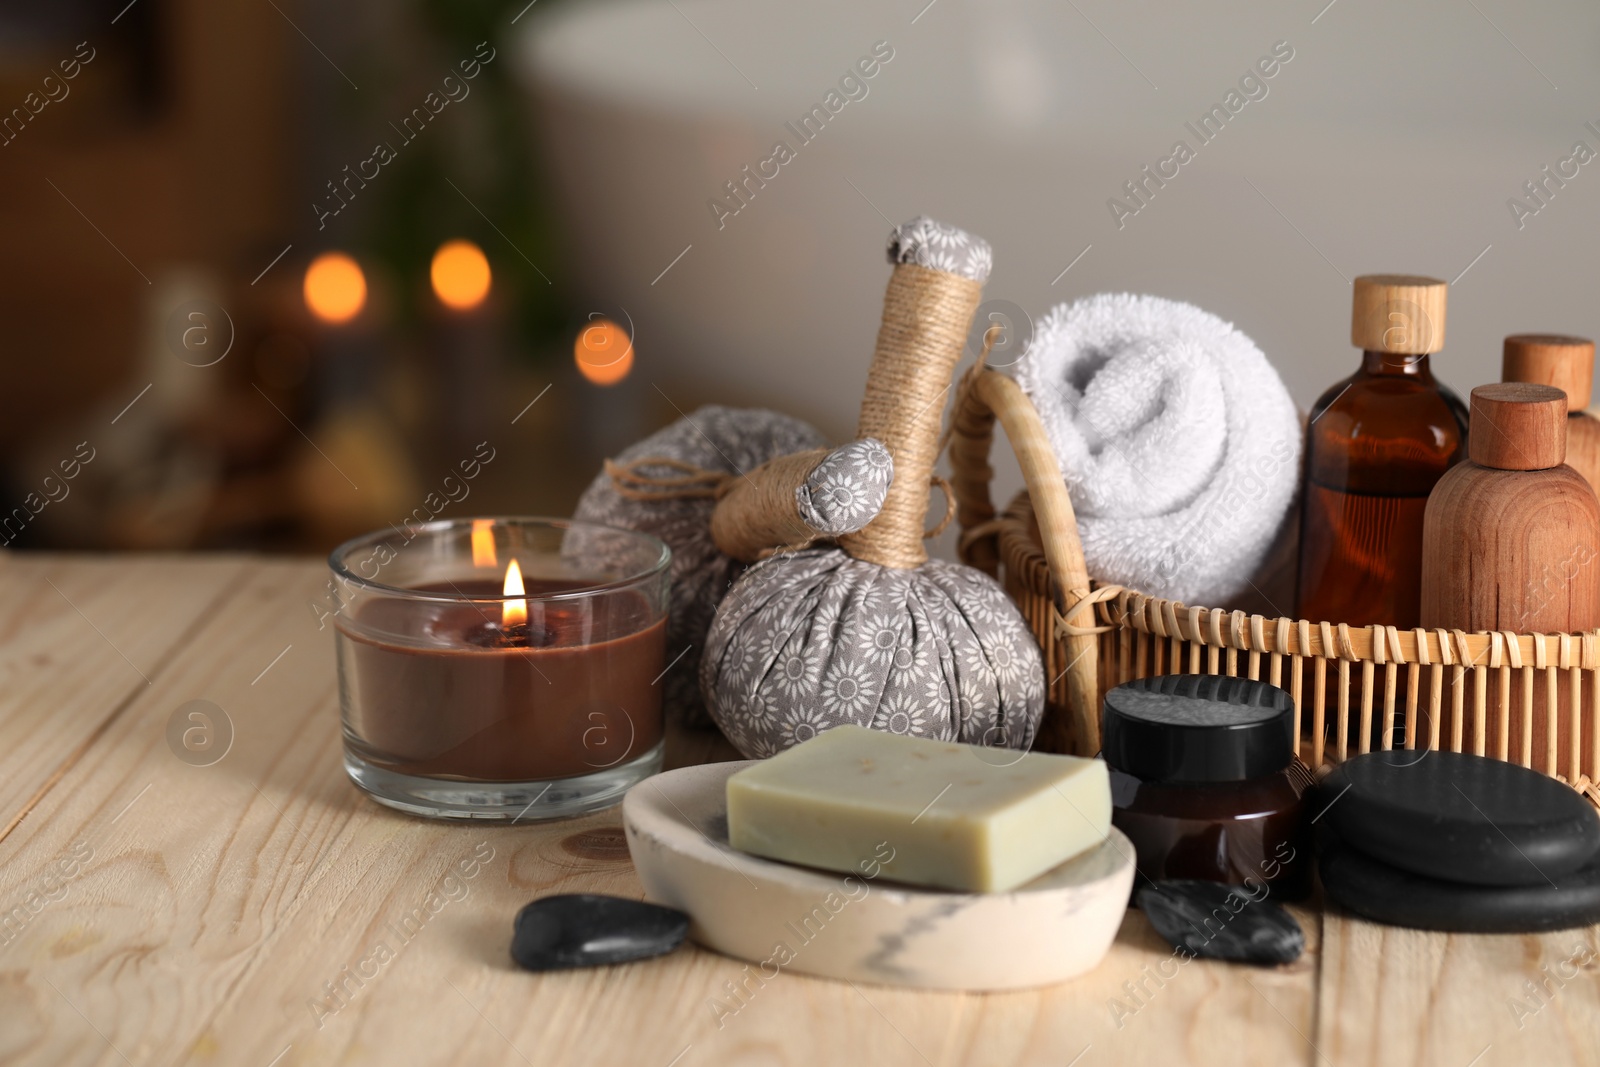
[1511, 540]
[1568, 364]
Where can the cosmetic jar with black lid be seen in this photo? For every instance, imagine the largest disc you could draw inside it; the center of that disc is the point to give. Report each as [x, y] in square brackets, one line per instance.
[1205, 783]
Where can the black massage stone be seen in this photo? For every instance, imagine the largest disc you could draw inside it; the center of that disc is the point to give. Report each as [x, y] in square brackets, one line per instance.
[1222, 922]
[1385, 894]
[1459, 818]
[590, 930]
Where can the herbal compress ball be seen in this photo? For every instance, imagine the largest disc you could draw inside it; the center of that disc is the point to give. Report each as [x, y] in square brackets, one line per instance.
[815, 639]
[718, 514]
[872, 632]
[713, 439]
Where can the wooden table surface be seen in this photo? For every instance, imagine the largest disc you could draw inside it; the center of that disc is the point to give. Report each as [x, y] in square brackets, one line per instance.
[260, 911]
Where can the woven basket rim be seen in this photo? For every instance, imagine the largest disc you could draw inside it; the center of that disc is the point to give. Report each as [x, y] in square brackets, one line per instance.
[1018, 539]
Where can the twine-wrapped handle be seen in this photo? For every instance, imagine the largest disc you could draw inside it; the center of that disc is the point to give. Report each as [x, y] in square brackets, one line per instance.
[789, 502]
[927, 310]
[985, 397]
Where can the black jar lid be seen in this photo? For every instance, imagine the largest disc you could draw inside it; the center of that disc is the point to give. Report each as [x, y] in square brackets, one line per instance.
[1198, 728]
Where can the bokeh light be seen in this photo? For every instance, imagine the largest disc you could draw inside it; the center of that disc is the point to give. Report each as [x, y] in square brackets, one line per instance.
[335, 288]
[603, 352]
[460, 275]
[483, 553]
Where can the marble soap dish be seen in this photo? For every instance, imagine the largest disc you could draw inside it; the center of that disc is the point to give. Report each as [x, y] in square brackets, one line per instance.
[859, 927]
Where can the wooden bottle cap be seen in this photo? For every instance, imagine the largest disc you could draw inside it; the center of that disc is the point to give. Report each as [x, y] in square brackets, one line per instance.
[1518, 427]
[1400, 313]
[1551, 359]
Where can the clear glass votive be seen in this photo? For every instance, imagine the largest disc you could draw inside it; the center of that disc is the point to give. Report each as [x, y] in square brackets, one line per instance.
[505, 668]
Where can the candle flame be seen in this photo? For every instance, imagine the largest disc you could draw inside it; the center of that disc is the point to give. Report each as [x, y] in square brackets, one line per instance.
[483, 543]
[460, 275]
[513, 612]
[603, 351]
[335, 288]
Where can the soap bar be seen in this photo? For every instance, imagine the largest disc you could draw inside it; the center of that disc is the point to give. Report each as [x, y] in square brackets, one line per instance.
[932, 813]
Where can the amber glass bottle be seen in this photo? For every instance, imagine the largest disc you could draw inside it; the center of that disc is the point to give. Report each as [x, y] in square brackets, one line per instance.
[1375, 445]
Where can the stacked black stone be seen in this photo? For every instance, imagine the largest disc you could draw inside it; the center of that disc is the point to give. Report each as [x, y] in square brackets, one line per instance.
[1456, 842]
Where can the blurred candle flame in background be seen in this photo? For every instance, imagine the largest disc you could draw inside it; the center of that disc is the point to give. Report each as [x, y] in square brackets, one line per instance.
[513, 612]
[483, 554]
[276, 346]
[460, 275]
[335, 288]
[604, 352]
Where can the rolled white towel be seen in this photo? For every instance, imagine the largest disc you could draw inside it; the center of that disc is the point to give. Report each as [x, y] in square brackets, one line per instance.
[1178, 441]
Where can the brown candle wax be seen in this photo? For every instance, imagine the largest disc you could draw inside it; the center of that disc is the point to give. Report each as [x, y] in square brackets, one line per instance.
[447, 692]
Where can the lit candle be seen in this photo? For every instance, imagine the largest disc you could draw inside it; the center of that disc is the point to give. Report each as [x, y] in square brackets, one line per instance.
[335, 288]
[466, 337]
[346, 334]
[513, 612]
[460, 275]
[483, 553]
[603, 352]
[468, 690]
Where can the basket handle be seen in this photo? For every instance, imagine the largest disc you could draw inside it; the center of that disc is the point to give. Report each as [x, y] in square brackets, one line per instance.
[984, 397]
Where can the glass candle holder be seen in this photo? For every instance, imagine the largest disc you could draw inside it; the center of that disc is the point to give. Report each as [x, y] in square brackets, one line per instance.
[502, 668]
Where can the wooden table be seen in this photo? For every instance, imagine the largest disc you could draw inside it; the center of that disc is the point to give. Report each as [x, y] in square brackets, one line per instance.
[260, 911]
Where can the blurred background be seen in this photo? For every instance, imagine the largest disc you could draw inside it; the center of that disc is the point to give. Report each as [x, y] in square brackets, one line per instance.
[274, 273]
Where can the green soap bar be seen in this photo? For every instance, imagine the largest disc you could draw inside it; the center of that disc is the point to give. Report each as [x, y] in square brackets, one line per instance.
[927, 812]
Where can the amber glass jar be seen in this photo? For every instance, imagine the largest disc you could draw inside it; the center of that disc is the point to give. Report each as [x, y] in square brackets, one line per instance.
[1375, 445]
[1204, 781]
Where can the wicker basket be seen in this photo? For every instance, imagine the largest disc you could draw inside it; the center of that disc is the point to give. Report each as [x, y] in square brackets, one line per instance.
[1424, 688]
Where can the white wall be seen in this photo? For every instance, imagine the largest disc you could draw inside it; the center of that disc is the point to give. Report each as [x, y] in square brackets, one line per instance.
[1390, 142]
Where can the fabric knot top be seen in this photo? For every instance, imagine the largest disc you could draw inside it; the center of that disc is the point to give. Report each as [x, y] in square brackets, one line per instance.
[939, 246]
[846, 490]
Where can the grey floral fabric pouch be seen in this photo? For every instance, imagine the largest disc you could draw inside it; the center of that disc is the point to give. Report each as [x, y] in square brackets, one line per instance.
[712, 438]
[826, 640]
